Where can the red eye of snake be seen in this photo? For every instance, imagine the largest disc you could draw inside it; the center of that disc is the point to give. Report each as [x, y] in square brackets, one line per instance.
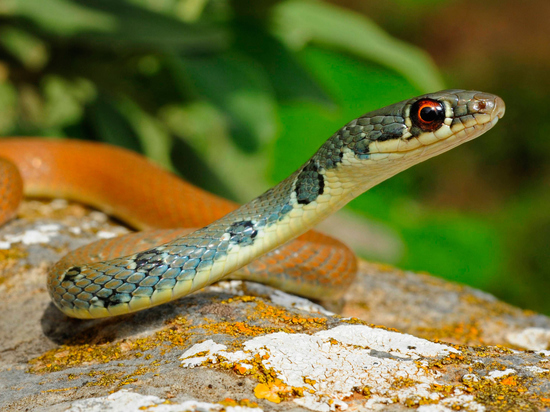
[427, 114]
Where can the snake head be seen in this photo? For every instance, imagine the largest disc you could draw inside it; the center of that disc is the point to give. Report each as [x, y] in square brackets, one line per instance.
[443, 120]
[386, 141]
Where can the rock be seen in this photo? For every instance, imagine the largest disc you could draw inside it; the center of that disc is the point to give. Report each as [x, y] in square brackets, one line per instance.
[239, 346]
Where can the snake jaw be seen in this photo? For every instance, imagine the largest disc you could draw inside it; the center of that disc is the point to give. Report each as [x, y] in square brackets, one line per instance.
[462, 110]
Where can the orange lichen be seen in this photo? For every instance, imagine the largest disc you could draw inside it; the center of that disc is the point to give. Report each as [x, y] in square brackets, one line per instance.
[276, 391]
[509, 381]
[265, 391]
[240, 369]
[460, 333]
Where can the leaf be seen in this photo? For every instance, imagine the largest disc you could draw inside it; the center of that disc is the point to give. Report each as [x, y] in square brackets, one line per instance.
[290, 80]
[8, 107]
[137, 26]
[61, 17]
[233, 173]
[28, 49]
[300, 22]
[458, 248]
[109, 24]
[155, 139]
[64, 100]
[237, 87]
[195, 170]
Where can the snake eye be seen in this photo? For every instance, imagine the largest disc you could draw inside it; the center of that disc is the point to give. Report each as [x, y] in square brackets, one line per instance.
[427, 114]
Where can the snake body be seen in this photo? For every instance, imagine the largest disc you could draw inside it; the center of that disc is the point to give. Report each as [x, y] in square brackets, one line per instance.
[362, 154]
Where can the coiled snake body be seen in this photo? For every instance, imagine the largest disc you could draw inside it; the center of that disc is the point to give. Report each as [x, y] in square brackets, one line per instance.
[93, 282]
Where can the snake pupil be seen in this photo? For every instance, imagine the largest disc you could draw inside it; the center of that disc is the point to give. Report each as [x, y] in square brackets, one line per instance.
[427, 114]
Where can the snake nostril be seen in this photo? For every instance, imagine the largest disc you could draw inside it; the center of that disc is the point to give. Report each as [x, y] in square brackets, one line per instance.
[482, 105]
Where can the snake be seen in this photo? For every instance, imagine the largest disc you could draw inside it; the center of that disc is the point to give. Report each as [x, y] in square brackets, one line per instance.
[264, 240]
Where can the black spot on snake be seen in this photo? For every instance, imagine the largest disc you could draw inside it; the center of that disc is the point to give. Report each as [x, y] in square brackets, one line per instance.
[309, 184]
[145, 260]
[242, 232]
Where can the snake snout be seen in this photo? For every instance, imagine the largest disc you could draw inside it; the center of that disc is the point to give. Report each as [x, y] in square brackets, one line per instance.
[488, 104]
[500, 107]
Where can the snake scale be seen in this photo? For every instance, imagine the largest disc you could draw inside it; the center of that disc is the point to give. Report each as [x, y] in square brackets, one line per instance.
[163, 265]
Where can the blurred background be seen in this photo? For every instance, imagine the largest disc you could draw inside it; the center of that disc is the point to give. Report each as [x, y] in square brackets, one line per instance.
[234, 95]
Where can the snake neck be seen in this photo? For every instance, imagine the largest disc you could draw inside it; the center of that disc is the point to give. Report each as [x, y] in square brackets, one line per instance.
[292, 207]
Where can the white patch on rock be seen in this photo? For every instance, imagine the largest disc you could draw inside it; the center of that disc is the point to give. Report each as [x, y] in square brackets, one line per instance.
[287, 300]
[208, 347]
[463, 402]
[531, 338]
[331, 365]
[126, 401]
[433, 408]
[75, 230]
[234, 287]
[536, 369]
[104, 234]
[41, 234]
[500, 374]
[278, 297]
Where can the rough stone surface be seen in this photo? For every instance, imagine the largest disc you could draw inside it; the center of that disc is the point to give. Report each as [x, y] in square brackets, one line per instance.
[242, 347]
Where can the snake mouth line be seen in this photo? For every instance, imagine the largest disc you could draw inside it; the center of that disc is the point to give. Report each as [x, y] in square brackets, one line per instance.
[485, 113]
[469, 132]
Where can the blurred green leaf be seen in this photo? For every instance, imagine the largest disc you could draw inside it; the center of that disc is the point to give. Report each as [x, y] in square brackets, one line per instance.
[238, 87]
[8, 103]
[136, 26]
[28, 49]
[195, 170]
[153, 135]
[523, 224]
[302, 21]
[186, 10]
[64, 100]
[61, 17]
[237, 174]
[289, 79]
[118, 23]
[457, 247]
